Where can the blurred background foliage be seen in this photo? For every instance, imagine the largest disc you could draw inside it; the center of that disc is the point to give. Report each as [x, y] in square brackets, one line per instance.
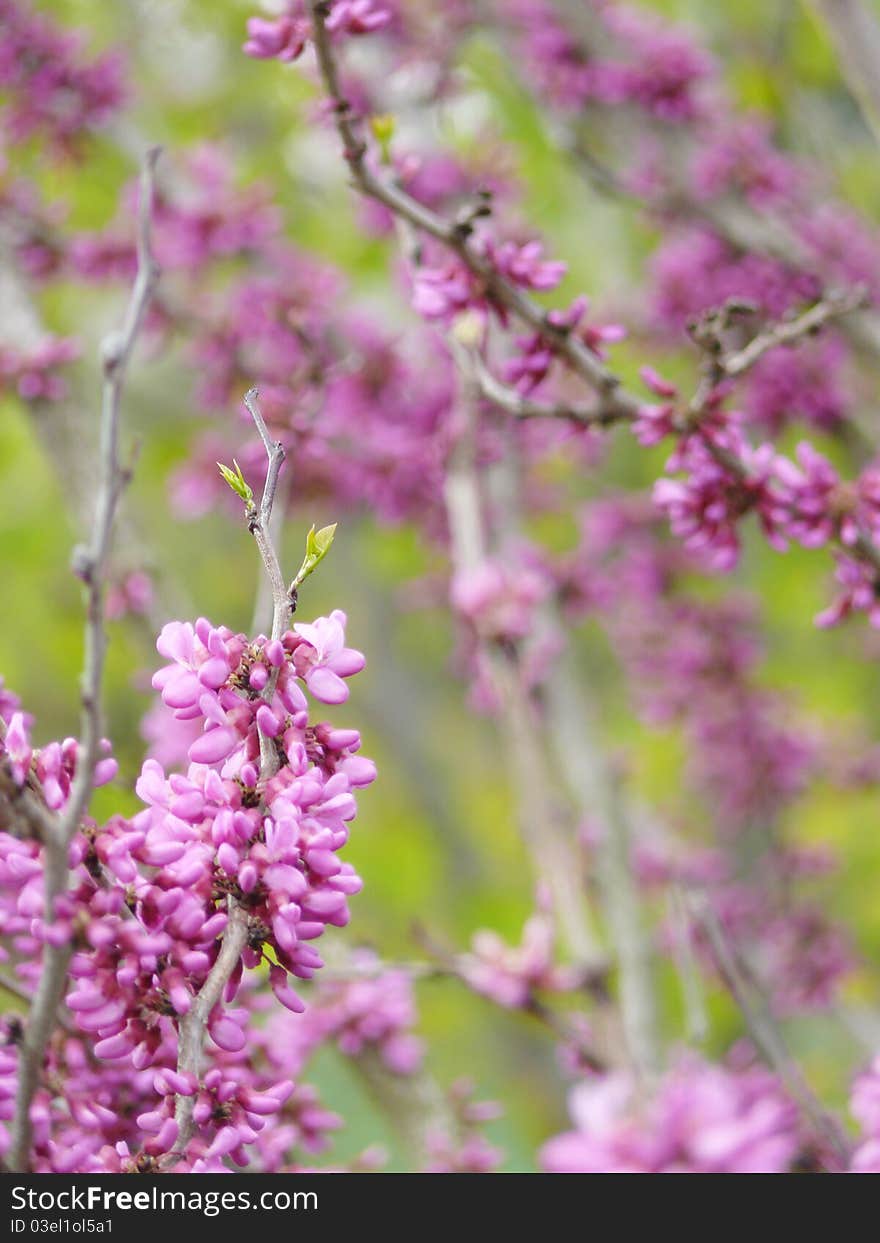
[436, 840]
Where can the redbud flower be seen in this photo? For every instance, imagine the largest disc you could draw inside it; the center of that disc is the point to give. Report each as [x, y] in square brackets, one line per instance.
[702, 1119]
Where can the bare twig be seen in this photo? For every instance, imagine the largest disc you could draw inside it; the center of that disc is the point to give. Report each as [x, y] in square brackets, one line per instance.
[90, 564]
[790, 331]
[260, 526]
[765, 1033]
[521, 407]
[596, 791]
[275, 455]
[259, 521]
[551, 850]
[193, 1025]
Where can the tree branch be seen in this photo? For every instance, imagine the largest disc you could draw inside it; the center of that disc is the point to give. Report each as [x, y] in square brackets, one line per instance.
[790, 331]
[552, 855]
[765, 1033]
[193, 1025]
[595, 790]
[260, 526]
[614, 403]
[521, 407]
[91, 566]
[455, 236]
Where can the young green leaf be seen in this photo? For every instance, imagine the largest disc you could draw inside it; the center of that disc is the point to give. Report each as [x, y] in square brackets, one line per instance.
[317, 546]
[237, 481]
[383, 131]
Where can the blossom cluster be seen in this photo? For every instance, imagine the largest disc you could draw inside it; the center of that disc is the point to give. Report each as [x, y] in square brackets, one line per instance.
[701, 1119]
[284, 37]
[512, 975]
[53, 93]
[151, 895]
[369, 1007]
[695, 664]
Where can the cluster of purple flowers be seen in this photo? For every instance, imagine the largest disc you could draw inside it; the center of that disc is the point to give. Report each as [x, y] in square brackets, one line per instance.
[630, 58]
[695, 663]
[149, 897]
[700, 1119]
[52, 92]
[285, 37]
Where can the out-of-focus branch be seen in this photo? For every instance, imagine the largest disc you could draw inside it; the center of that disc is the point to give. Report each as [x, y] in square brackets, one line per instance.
[456, 236]
[764, 1032]
[413, 1104]
[613, 401]
[551, 850]
[696, 1018]
[90, 564]
[454, 966]
[596, 792]
[522, 407]
[584, 771]
[855, 33]
[790, 331]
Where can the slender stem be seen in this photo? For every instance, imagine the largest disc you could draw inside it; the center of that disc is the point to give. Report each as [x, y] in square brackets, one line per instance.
[192, 1027]
[790, 331]
[550, 848]
[260, 525]
[91, 564]
[596, 791]
[696, 1018]
[521, 407]
[765, 1033]
[259, 522]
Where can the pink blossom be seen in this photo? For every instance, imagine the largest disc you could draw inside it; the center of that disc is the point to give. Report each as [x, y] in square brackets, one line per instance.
[701, 1119]
[510, 975]
[323, 660]
[282, 38]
